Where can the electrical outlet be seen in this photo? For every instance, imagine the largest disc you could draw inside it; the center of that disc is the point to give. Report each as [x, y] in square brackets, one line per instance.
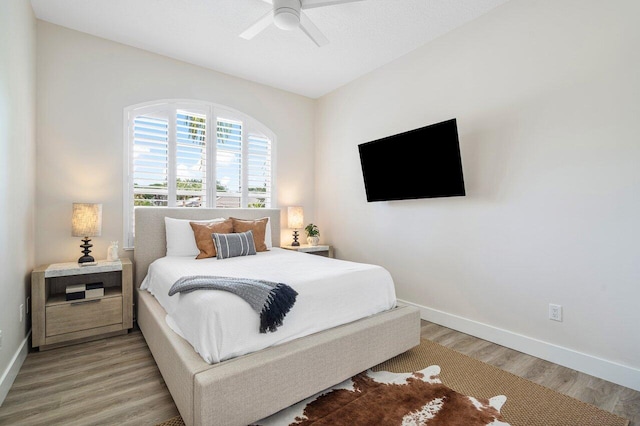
[22, 312]
[555, 312]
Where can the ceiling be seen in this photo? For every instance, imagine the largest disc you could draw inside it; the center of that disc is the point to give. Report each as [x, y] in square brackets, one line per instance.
[364, 35]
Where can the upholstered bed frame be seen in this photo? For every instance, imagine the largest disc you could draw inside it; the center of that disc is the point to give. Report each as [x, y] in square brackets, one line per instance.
[245, 389]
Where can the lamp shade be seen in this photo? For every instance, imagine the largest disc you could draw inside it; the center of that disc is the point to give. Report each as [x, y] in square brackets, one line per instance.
[86, 220]
[295, 217]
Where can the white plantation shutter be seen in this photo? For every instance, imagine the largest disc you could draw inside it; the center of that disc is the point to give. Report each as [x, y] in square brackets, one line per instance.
[259, 171]
[229, 163]
[191, 159]
[150, 159]
[172, 162]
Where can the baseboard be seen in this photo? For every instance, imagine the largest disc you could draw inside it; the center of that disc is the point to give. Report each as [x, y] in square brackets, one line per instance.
[13, 368]
[589, 364]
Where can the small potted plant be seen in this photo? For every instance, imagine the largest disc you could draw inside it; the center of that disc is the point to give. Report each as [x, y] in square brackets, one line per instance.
[313, 234]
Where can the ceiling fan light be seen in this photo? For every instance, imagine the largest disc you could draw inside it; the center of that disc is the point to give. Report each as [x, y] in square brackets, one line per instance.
[286, 19]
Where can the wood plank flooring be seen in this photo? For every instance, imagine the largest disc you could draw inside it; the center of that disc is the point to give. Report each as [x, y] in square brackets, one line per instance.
[616, 399]
[116, 382]
[111, 381]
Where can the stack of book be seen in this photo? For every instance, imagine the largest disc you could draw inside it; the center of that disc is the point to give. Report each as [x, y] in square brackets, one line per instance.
[85, 291]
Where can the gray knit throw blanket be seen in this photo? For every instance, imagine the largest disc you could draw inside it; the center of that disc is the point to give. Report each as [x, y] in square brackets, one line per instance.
[271, 300]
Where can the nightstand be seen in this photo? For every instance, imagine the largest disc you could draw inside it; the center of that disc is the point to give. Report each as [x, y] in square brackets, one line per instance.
[58, 322]
[320, 250]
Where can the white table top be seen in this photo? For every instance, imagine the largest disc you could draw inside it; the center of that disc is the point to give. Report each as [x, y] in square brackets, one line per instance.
[73, 268]
[306, 248]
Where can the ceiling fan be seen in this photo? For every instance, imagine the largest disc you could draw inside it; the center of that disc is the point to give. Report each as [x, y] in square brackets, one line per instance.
[288, 15]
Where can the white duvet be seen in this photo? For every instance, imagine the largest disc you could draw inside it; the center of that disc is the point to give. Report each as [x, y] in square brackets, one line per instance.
[221, 325]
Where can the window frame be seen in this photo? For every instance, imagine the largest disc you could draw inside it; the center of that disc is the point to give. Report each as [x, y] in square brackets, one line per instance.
[250, 126]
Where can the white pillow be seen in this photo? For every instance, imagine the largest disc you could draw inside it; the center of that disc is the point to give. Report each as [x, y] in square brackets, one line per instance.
[180, 238]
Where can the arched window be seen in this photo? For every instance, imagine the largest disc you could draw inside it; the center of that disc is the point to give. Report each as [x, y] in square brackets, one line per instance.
[173, 158]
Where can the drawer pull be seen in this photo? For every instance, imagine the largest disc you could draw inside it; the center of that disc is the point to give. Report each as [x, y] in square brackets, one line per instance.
[84, 302]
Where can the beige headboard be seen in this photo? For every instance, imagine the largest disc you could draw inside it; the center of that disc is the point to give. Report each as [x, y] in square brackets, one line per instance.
[151, 240]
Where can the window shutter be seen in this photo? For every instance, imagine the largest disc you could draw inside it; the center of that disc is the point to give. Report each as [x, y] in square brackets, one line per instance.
[191, 151]
[228, 163]
[259, 171]
[150, 160]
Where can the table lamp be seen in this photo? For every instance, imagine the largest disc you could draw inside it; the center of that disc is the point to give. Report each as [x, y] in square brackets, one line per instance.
[86, 222]
[295, 219]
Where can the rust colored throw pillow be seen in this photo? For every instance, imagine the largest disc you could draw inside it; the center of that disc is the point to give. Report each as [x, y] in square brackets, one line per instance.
[202, 232]
[259, 228]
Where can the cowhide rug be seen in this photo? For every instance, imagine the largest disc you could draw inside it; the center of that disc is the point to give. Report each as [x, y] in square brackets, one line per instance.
[384, 398]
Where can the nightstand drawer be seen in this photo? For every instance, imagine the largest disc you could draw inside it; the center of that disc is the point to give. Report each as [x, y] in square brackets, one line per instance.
[83, 314]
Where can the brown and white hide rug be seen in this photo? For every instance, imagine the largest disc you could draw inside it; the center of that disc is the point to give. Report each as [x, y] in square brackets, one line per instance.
[384, 398]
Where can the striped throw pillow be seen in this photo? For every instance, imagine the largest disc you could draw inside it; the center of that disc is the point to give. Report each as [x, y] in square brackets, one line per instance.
[233, 245]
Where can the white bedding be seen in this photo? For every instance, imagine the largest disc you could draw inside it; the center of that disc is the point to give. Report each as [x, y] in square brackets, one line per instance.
[220, 325]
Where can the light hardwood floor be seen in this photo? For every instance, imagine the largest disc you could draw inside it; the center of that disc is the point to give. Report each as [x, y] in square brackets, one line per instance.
[116, 382]
[111, 381]
[616, 399]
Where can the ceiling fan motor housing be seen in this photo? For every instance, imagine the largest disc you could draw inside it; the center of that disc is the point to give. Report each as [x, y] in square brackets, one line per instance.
[286, 14]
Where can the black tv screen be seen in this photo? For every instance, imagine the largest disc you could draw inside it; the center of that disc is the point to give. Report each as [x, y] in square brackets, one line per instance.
[420, 163]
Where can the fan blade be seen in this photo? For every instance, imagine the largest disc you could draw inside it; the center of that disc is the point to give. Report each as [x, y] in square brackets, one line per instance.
[258, 26]
[310, 4]
[312, 31]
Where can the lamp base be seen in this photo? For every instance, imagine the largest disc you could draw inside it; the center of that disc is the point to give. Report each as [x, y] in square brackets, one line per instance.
[295, 242]
[86, 260]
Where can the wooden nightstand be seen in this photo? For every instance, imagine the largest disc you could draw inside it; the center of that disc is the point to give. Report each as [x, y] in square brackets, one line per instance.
[58, 322]
[320, 250]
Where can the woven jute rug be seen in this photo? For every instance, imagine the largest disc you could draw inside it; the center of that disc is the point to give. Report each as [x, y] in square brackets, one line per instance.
[528, 404]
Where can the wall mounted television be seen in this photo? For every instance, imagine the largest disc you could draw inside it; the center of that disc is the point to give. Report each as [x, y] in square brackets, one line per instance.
[420, 163]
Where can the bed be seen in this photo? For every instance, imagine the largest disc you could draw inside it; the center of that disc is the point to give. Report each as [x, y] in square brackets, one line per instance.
[244, 389]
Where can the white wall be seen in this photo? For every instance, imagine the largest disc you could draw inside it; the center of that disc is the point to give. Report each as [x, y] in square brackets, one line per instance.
[17, 179]
[547, 97]
[85, 82]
